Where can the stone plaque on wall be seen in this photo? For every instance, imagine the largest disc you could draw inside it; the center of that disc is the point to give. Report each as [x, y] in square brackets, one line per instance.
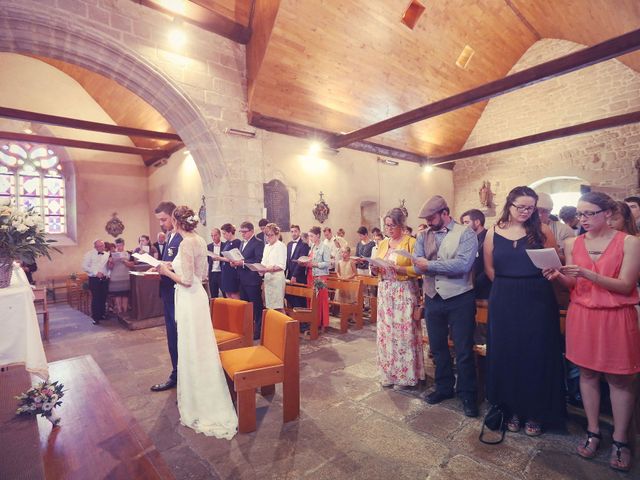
[276, 201]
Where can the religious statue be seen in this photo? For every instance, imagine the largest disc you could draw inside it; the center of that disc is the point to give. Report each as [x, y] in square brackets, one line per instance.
[321, 210]
[403, 208]
[202, 213]
[486, 195]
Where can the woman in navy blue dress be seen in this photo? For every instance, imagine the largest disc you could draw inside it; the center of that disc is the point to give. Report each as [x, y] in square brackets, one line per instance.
[229, 278]
[524, 346]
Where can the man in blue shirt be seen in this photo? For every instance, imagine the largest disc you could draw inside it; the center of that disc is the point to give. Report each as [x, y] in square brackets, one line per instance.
[446, 252]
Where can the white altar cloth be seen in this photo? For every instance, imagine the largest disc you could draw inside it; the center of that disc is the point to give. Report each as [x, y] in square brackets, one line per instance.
[20, 341]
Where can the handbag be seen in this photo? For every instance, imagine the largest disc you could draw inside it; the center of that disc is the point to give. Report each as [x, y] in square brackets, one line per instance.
[496, 420]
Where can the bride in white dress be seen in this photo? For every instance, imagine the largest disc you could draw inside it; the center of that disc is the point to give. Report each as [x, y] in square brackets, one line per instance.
[204, 401]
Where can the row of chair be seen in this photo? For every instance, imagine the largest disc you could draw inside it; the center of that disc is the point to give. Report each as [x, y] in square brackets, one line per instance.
[275, 360]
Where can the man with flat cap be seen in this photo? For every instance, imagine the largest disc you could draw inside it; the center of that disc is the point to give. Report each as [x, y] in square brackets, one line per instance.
[446, 252]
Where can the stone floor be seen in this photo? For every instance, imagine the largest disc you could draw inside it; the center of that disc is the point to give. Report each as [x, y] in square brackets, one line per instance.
[349, 428]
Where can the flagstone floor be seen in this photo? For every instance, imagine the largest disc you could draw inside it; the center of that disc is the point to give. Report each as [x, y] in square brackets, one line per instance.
[349, 427]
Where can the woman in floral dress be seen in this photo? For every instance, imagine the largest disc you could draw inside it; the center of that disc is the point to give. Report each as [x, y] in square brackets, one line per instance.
[399, 336]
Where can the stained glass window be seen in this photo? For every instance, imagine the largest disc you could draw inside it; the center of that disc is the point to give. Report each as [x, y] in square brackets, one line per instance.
[31, 175]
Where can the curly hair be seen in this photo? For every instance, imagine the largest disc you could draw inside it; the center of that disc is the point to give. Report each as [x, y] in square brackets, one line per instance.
[272, 228]
[533, 226]
[185, 218]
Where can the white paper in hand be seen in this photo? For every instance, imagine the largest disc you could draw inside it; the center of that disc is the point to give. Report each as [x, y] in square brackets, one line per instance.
[146, 258]
[404, 253]
[234, 255]
[544, 258]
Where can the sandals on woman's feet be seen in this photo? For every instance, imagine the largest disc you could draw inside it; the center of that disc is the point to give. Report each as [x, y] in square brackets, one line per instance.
[533, 429]
[513, 425]
[591, 444]
[620, 456]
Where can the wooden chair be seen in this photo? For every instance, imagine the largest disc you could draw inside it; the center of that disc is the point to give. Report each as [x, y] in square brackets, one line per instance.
[350, 289]
[40, 302]
[368, 281]
[232, 322]
[305, 315]
[275, 360]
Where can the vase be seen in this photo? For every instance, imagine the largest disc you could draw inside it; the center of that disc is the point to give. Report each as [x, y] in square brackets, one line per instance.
[6, 269]
[54, 418]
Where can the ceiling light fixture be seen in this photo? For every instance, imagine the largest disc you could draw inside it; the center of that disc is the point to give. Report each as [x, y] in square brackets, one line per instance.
[239, 133]
[465, 57]
[388, 161]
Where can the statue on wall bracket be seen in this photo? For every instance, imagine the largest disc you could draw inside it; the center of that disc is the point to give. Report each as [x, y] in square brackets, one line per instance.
[486, 195]
[321, 209]
[114, 227]
[404, 208]
[202, 213]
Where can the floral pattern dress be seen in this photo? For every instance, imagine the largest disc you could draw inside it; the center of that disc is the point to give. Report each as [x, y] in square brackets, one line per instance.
[399, 336]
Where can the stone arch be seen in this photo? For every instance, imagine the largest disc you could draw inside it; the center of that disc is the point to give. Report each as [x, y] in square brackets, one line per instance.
[27, 30]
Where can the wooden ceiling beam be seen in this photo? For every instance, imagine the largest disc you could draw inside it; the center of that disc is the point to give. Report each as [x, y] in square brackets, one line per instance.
[600, 124]
[606, 50]
[68, 142]
[204, 18]
[35, 117]
[302, 131]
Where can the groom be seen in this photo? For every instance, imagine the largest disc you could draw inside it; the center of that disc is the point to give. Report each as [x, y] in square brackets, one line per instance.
[163, 214]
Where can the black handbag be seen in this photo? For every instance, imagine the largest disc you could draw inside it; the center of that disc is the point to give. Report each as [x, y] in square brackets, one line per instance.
[496, 420]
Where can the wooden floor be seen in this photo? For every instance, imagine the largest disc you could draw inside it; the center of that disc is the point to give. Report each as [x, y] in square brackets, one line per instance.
[99, 438]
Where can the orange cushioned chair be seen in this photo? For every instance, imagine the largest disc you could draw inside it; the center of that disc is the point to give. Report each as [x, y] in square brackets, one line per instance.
[232, 322]
[275, 360]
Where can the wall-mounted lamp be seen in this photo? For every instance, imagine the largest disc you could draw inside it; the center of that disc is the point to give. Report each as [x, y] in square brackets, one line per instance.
[177, 35]
[240, 133]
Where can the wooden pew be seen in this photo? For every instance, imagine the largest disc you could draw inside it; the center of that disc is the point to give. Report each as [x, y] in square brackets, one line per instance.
[368, 281]
[232, 322]
[353, 289]
[301, 314]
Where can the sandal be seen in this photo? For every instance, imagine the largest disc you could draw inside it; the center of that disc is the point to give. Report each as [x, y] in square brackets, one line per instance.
[533, 429]
[620, 456]
[590, 447]
[513, 425]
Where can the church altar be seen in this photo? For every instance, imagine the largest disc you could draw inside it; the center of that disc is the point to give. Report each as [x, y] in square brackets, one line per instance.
[20, 342]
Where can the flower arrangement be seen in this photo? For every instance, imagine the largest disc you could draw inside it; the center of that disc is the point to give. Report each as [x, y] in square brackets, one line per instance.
[22, 235]
[318, 284]
[193, 220]
[42, 399]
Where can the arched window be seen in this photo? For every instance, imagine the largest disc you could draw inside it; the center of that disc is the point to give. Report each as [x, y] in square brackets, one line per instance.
[31, 175]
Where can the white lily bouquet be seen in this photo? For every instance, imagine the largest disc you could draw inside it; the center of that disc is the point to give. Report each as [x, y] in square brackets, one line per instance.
[41, 400]
[22, 237]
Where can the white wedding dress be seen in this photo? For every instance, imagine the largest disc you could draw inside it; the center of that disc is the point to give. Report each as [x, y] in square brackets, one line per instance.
[204, 401]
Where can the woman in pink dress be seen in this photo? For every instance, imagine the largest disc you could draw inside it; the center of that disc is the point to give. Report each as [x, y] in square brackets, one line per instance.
[602, 323]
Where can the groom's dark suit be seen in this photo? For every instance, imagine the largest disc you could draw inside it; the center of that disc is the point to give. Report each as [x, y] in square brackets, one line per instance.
[167, 294]
[251, 282]
[295, 250]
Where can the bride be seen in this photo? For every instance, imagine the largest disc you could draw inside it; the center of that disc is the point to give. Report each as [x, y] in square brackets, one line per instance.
[204, 402]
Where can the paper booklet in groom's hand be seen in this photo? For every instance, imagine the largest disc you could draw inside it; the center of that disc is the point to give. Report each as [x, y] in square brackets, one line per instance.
[234, 255]
[146, 258]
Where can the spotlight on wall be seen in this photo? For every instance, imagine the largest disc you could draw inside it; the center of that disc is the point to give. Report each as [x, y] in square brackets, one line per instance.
[159, 163]
[177, 35]
[388, 161]
[240, 133]
[427, 168]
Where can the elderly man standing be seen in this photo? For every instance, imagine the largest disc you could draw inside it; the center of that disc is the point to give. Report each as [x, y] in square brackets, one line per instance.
[446, 252]
[560, 230]
[215, 270]
[95, 264]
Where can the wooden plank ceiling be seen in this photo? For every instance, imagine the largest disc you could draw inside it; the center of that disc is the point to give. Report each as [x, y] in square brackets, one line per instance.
[343, 65]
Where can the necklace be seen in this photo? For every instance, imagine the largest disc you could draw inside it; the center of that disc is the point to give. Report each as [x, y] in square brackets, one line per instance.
[594, 252]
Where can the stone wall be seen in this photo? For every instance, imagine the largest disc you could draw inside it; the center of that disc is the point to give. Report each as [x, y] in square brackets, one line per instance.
[604, 158]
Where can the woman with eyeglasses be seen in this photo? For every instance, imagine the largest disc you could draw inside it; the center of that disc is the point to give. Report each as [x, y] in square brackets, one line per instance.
[524, 345]
[399, 330]
[602, 324]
